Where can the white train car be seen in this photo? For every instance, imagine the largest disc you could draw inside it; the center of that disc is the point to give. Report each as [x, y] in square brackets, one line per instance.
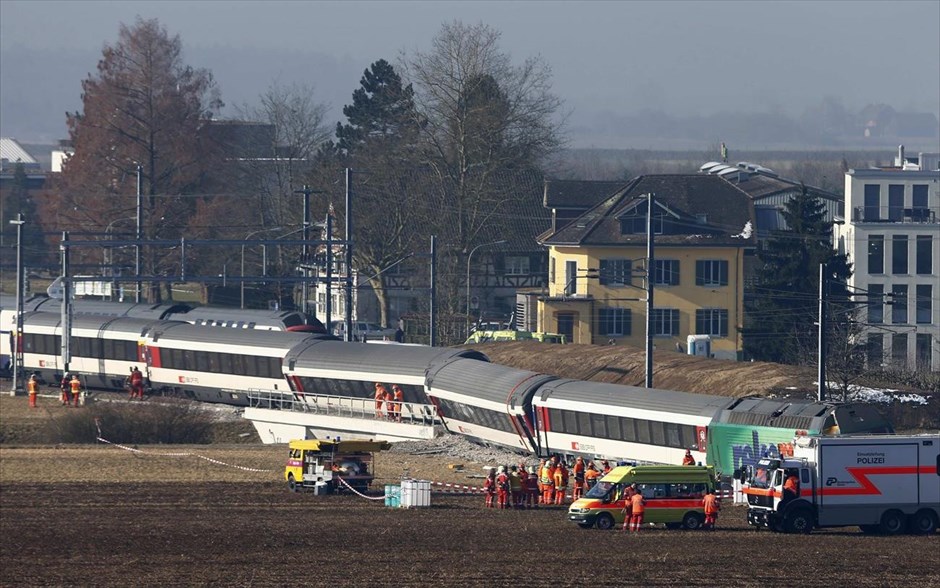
[218, 365]
[487, 403]
[610, 421]
[103, 349]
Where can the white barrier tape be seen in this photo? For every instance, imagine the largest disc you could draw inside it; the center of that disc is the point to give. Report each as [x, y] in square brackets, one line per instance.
[457, 487]
[181, 454]
[358, 492]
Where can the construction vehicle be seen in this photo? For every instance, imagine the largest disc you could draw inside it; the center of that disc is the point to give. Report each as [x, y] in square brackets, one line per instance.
[326, 466]
[884, 484]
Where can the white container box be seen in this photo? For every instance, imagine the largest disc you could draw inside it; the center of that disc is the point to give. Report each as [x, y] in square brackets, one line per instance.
[415, 493]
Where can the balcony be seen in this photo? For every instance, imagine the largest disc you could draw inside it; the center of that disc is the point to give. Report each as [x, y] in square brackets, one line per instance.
[891, 214]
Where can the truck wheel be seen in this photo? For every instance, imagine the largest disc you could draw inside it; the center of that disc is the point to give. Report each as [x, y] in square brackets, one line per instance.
[292, 483]
[692, 521]
[923, 523]
[799, 521]
[605, 521]
[892, 522]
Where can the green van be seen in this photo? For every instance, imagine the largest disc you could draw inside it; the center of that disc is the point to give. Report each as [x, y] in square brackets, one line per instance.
[673, 496]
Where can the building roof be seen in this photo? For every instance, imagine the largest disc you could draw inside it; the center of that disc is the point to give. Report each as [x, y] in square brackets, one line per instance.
[761, 182]
[577, 193]
[11, 153]
[701, 210]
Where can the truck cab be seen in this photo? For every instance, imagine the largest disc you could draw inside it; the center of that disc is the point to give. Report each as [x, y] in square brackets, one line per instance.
[328, 466]
[780, 495]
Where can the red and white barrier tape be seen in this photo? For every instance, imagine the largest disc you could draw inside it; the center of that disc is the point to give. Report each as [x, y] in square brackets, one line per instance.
[455, 488]
[358, 492]
[181, 454]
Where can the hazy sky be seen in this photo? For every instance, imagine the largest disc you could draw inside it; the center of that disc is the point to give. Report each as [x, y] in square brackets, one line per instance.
[681, 58]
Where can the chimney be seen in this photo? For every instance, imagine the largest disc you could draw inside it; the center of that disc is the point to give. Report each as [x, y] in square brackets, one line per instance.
[900, 161]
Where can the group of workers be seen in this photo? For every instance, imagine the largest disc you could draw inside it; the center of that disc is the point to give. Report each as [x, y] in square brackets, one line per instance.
[70, 386]
[546, 484]
[134, 383]
[392, 401]
[512, 487]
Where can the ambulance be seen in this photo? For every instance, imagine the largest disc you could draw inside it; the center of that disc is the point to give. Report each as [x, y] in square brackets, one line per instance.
[326, 466]
[885, 484]
[673, 496]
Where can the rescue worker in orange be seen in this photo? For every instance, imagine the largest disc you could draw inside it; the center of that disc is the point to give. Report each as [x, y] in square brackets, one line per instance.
[502, 488]
[561, 483]
[791, 487]
[137, 384]
[711, 506]
[688, 459]
[381, 393]
[591, 475]
[605, 467]
[578, 471]
[638, 506]
[489, 488]
[76, 388]
[532, 488]
[627, 511]
[515, 486]
[398, 396]
[65, 388]
[32, 386]
[547, 481]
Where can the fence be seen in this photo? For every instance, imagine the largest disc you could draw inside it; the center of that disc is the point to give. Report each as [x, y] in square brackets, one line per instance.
[343, 406]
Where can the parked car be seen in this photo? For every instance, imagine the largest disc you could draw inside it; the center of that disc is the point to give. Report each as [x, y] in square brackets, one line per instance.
[363, 331]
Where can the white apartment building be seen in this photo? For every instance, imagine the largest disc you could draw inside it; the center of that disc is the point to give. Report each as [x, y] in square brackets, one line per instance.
[891, 234]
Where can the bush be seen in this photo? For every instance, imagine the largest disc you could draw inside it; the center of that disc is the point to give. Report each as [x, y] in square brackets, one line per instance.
[134, 423]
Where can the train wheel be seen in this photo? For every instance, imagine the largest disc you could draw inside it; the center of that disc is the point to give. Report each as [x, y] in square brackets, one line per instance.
[923, 523]
[605, 521]
[892, 522]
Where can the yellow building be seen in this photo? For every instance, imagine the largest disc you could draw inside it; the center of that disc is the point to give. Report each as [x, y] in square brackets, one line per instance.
[597, 265]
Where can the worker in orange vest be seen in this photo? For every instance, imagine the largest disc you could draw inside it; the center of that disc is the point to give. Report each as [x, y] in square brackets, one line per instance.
[561, 483]
[711, 506]
[627, 511]
[688, 459]
[638, 506]
[489, 488]
[381, 393]
[75, 387]
[547, 480]
[32, 386]
[591, 475]
[533, 495]
[791, 487]
[137, 384]
[398, 396]
[66, 396]
[605, 467]
[578, 471]
[502, 488]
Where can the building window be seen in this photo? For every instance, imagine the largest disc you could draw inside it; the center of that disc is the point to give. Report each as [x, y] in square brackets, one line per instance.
[517, 265]
[919, 210]
[876, 307]
[923, 345]
[711, 321]
[924, 251]
[633, 224]
[899, 349]
[551, 270]
[615, 272]
[876, 254]
[872, 202]
[924, 304]
[665, 321]
[899, 304]
[711, 272]
[666, 272]
[899, 254]
[875, 351]
[571, 277]
[614, 322]
[895, 203]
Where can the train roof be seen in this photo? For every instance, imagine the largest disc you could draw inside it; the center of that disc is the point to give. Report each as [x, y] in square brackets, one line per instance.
[669, 401]
[278, 318]
[130, 326]
[487, 381]
[360, 357]
[852, 417]
[205, 335]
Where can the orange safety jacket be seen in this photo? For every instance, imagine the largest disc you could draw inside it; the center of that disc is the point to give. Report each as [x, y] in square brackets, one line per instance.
[559, 478]
[76, 386]
[792, 484]
[711, 504]
[545, 475]
[32, 386]
[637, 504]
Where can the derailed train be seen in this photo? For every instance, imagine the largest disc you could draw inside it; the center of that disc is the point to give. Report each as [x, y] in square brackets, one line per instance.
[485, 402]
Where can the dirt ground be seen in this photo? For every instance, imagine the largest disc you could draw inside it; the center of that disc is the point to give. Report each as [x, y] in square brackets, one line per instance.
[105, 516]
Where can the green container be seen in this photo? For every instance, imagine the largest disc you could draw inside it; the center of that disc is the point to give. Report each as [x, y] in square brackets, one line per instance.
[392, 496]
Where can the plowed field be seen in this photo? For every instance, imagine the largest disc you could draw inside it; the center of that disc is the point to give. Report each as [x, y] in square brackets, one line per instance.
[256, 533]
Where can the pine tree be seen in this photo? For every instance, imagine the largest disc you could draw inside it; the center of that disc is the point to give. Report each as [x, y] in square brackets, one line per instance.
[783, 306]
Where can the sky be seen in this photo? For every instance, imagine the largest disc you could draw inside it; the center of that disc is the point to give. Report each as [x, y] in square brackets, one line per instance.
[608, 58]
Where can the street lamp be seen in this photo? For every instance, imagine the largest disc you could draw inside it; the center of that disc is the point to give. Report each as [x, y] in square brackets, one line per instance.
[265, 268]
[109, 258]
[469, 258]
[15, 361]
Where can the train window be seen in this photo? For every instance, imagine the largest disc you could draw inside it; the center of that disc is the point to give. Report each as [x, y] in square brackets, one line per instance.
[130, 351]
[571, 422]
[238, 364]
[642, 431]
[215, 362]
[274, 367]
[688, 436]
[225, 363]
[613, 427]
[672, 435]
[202, 361]
[584, 423]
[598, 425]
[628, 429]
[108, 348]
[658, 433]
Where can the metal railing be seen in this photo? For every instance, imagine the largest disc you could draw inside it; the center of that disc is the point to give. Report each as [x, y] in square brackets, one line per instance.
[412, 413]
[894, 214]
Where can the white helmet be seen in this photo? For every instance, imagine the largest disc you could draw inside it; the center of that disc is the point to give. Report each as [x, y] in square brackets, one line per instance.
[501, 469]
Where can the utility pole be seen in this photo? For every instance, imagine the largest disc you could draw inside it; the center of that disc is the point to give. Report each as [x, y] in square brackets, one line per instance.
[329, 269]
[140, 216]
[17, 360]
[66, 305]
[304, 262]
[650, 278]
[823, 342]
[349, 254]
[432, 323]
